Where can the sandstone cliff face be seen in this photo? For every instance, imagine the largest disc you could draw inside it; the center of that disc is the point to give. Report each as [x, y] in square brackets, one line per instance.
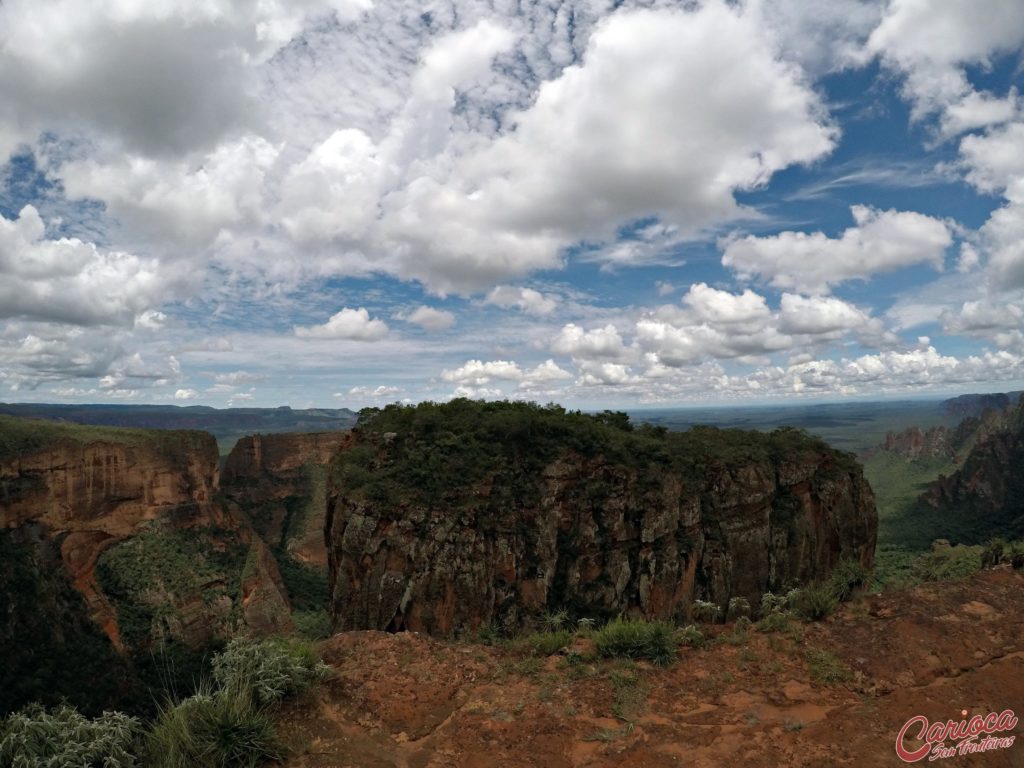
[92, 491]
[278, 480]
[986, 494]
[587, 533]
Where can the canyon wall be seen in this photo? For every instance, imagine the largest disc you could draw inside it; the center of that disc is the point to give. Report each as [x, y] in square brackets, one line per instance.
[445, 518]
[140, 530]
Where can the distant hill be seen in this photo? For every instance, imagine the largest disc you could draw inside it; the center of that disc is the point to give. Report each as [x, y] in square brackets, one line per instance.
[975, 405]
[226, 424]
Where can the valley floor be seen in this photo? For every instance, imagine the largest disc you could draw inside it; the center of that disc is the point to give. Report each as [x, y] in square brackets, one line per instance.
[831, 693]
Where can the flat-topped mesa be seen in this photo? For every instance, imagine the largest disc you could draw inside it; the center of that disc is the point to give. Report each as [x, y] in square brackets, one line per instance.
[444, 518]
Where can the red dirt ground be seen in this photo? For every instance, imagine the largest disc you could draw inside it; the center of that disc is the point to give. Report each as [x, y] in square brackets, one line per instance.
[410, 701]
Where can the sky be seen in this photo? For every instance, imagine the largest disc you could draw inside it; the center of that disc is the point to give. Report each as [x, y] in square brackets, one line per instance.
[345, 203]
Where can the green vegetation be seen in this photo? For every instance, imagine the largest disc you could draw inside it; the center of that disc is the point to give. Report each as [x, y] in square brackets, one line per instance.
[22, 437]
[227, 723]
[814, 602]
[691, 637]
[897, 482]
[827, 668]
[433, 452]
[50, 648]
[267, 671]
[38, 738]
[847, 577]
[637, 639]
[145, 574]
[545, 643]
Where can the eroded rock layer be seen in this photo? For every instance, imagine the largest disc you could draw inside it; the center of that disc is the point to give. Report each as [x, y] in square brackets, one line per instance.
[443, 518]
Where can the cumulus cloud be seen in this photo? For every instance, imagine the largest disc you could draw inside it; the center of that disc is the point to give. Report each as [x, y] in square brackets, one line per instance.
[163, 78]
[526, 299]
[431, 319]
[475, 375]
[461, 210]
[931, 44]
[71, 281]
[595, 344]
[994, 163]
[178, 201]
[350, 324]
[881, 241]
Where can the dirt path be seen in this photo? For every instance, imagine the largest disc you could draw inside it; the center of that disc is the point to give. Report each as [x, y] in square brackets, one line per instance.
[834, 693]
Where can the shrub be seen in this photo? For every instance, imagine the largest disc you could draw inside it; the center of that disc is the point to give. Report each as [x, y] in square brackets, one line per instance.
[846, 577]
[266, 671]
[815, 602]
[705, 611]
[772, 603]
[555, 621]
[585, 626]
[992, 555]
[691, 636]
[213, 730]
[739, 607]
[546, 643]
[637, 639]
[826, 667]
[777, 621]
[40, 738]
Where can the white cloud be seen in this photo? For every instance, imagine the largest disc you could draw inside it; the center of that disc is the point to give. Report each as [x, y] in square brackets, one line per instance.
[596, 344]
[238, 378]
[932, 43]
[715, 306]
[818, 315]
[352, 324]
[376, 393]
[526, 299]
[161, 77]
[177, 201]
[994, 163]
[71, 281]
[431, 319]
[185, 394]
[881, 241]
[478, 373]
[544, 374]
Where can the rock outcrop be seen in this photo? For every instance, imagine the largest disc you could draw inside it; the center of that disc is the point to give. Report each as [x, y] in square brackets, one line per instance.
[132, 498]
[985, 496]
[278, 480]
[446, 518]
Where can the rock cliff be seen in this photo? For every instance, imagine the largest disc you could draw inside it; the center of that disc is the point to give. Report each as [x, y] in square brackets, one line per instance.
[443, 518]
[985, 496]
[140, 531]
[278, 480]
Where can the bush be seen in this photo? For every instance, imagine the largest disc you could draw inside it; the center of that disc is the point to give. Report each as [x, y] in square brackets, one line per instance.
[846, 577]
[213, 730]
[38, 738]
[827, 668]
[637, 639]
[266, 671]
[777, 621]
[814, 603]
[739, 607]
[691, 636]
[546, 643]
[992, 555]
[705, 611]
[772, 603]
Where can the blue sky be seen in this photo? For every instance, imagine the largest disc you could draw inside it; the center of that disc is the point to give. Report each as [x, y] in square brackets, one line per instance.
[604, 204]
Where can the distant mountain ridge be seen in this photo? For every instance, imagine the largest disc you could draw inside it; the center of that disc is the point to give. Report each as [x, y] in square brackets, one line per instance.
[223, 423]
